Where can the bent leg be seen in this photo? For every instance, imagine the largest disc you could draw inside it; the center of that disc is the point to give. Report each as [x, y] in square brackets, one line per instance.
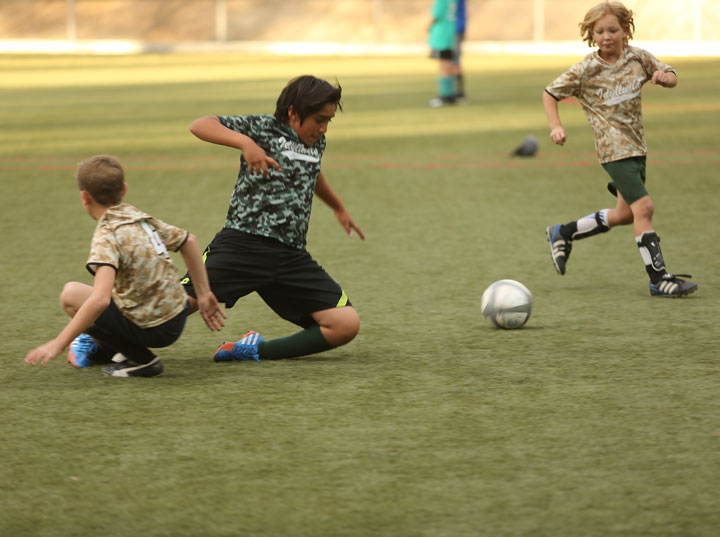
[338, 325]
[335, 327]
[642, 211]
[621, 215]
[74, 295]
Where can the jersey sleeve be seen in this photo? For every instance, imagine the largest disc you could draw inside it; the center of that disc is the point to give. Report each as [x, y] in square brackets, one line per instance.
[255, 127]
[103, 251]
[173, 237]
[651, 64]
[567, 84]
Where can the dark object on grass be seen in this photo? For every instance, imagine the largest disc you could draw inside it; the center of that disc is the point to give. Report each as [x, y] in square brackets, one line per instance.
[528, 149]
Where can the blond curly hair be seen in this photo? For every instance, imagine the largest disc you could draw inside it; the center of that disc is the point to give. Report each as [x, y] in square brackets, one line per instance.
[623, 14]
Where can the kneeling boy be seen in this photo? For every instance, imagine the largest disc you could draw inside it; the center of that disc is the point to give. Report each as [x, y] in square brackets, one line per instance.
[136, 301]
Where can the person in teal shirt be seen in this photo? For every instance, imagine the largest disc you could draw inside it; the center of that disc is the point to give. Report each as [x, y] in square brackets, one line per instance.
[442, 42]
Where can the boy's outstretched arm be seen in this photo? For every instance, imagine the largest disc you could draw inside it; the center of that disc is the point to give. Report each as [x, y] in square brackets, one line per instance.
[208, 305]
[557, 131]
[86, 315]
[210, 129]
[327, 194]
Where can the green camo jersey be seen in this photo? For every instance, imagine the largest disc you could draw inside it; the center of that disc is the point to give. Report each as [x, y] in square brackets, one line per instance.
[277, 205]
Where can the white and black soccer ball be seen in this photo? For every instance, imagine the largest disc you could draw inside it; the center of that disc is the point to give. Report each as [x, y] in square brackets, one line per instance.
[507, 304]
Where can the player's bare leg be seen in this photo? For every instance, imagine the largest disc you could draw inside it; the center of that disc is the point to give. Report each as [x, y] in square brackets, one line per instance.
[338, 325]
[74, 295]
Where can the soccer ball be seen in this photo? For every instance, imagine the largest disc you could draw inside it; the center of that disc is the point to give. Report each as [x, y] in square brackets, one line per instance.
[507, 304]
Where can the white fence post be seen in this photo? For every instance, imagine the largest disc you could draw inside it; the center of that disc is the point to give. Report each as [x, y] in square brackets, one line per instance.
[71, 21]
[221, 21]
[538, 20]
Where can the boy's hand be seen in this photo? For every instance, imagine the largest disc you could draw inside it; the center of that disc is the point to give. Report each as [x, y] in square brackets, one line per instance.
[558, 136]
[257, 159]
[211, 312]
[43, 354]
[663, 78]
[347, 223]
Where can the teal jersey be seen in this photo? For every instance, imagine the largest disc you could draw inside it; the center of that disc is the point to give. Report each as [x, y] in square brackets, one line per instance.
[442, 32]
[277, 205]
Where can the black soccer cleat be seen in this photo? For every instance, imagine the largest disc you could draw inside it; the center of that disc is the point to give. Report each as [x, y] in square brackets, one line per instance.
[671, 285]
[128, 368]
[560, 248]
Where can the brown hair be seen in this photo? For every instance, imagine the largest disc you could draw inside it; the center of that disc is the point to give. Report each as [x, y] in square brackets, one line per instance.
[623, 14]
[103, 178]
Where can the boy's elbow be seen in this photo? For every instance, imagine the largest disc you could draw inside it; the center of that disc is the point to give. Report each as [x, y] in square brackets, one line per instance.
[198, 126]
[102, 301]
[194, 126]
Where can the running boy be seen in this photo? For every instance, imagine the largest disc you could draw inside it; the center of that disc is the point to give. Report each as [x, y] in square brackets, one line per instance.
[136, 301]
[607, 83]
[262, 246]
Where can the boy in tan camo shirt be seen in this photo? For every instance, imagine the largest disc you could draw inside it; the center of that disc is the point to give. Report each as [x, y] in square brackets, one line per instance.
[137, 300]
[608, 83]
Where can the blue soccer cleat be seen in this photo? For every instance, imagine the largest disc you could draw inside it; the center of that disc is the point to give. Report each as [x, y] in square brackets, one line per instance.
[245, 349]
[560, 248]
[81, 349]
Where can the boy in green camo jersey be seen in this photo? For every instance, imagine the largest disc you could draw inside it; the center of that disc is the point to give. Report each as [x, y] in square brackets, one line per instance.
[262, 246]
[608, 83]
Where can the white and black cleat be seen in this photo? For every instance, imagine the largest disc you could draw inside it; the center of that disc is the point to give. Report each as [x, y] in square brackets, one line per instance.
[673, 286]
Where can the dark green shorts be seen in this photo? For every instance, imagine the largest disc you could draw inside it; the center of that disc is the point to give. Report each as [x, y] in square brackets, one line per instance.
[628, 177]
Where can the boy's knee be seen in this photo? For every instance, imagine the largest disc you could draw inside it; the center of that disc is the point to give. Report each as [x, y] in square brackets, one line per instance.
[643, 208]
[69, 290]
[73, 295]
[340, 326]
[351, 325]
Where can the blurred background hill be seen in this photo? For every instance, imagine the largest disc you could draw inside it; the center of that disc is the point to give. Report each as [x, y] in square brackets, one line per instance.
[379, 22]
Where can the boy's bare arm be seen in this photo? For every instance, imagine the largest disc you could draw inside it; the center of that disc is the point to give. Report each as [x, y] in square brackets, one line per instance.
[328, 195]
[208, 305]
[210, 129]
[90, 310]
[557, 131]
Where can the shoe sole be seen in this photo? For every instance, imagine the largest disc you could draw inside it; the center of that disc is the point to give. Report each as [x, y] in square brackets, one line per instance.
[548, 234]
[72, 362]
[136, 371]
[675, 295]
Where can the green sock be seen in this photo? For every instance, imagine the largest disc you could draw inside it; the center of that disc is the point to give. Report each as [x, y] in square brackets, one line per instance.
[446, 87]
[308, 341]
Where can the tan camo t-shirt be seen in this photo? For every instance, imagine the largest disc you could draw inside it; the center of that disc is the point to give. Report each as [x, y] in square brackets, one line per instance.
[147, 288]
[610, 98]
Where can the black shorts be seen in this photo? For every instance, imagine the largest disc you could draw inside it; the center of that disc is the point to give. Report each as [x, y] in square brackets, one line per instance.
[287, 279]
[448, 54]
[113, 323]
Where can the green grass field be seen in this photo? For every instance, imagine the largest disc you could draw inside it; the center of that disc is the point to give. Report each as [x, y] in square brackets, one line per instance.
[600, 418]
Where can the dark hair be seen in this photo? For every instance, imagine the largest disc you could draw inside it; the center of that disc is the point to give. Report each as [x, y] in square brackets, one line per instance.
[103, 178]
[307, 95]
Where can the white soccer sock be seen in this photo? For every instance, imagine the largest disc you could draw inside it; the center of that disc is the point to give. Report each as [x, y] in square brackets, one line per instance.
[592, 224]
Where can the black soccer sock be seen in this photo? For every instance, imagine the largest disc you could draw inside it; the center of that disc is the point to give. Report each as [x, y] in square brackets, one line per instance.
[459, 86]
[649, 245]
[585, 227]
[308, 341]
